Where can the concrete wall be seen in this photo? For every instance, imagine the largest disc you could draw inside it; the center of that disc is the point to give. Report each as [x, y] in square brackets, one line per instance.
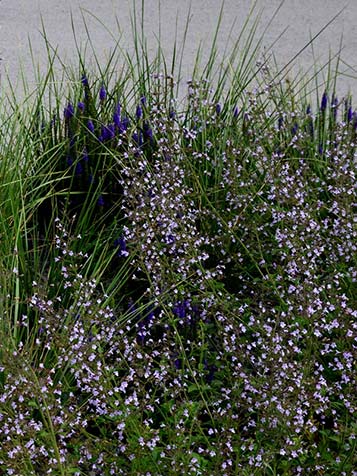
[20, 21]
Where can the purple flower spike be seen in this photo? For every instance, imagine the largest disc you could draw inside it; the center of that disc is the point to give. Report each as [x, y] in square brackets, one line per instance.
[81, 106]
[218, 108]
[116, 120]
[139, 112]
[125, 123]
[84, 81]
[178, 364]
[102, 94]
[116, 116]
[323, 102]
[90, 126]
[308, 110]
[101, 201]
[172, 114]
[349, 114]
[107, 132]
[68, 111]
[235, 112]
[138, 138]
[143, 100]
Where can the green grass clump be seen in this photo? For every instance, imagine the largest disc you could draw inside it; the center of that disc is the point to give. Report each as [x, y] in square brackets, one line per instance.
[178, 270]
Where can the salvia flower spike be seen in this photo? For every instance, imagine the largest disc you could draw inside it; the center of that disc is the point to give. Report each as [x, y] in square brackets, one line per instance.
[349, 114]
[90, 126]
[84, 81]
[102, 93]
[68, 111]
[323, 102]
[139, 112]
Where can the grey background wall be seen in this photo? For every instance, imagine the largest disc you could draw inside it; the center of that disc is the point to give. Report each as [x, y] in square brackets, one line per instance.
[20, 21]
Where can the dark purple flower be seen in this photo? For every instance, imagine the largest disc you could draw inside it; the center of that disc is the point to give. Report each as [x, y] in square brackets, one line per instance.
[116, 119]
[84, 81]
[280, 123]
[323, 102]
[138, 138]
[294, 129]
[218, 108]
[101, 201]
[140, 336]
[143, 100]
[107, 132]
[125, 123]
[235, 112]
[81, 106]
[170, 239]
[90, 126]
[121, 244]
[178, 363]
[150, 316]
[308, 110]
[69, 161]
[139, 112]
[79, 168]
[102, 93]
[349, 114]
[68, 111]
[180, 309]
[172, 114]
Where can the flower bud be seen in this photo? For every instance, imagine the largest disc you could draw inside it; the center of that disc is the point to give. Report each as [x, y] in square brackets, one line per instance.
[102, 94]
[323, 102]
